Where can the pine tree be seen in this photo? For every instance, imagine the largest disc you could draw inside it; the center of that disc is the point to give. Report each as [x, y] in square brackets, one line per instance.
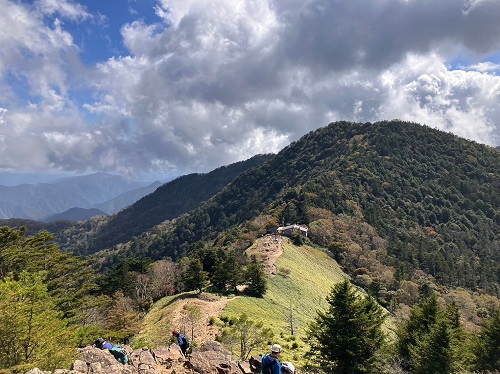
[255, 279]
[433, 352]
[348, 336]
[194, 276]
[227, 273]
[432, 340]
[422, 318]
[487, 347]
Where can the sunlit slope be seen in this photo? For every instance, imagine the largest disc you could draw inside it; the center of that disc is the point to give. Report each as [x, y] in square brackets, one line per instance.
[305, 277]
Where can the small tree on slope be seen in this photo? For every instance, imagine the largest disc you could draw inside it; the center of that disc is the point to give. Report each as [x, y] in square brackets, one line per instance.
[347, 338]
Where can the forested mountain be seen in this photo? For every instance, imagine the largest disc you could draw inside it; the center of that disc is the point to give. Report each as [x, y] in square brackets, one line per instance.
[411, 215]
[126, 199]
[75, 214]
[167, 202]
[420, 199]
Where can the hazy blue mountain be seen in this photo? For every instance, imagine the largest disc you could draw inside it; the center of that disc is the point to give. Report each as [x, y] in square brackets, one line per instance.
[35, 201]
[14, 179]
[74, 214]
[8, 209]
[127, 198]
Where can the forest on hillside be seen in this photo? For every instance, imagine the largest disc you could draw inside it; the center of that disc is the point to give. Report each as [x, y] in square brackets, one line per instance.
[406, 210]
[430, 197]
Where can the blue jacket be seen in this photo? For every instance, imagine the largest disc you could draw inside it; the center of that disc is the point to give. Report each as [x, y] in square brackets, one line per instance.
[181, 341]
[107, 345]
[274, 362]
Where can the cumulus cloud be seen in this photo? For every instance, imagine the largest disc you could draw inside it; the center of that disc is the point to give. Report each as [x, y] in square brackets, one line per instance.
[213, 82]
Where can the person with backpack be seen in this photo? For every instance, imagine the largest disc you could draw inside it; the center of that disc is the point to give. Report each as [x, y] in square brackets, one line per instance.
[182, 341]
[118, 352]
[270, 362]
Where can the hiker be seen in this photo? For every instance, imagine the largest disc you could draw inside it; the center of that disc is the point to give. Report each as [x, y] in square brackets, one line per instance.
[270, 362]
[287, 368]
[182, 341]
[118, 352]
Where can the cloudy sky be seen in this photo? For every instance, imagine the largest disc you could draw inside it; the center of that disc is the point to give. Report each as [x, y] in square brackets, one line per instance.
[160, 88]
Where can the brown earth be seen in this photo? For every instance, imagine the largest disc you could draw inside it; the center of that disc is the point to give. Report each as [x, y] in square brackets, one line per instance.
[267, 251]
[210, 306]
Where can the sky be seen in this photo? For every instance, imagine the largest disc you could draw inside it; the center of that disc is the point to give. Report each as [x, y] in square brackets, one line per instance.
[154, 89]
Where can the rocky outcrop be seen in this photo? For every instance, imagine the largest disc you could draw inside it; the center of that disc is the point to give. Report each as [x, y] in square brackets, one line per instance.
[211, 358]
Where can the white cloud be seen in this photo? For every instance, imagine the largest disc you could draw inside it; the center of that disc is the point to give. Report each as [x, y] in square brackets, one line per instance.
[213, 82]
[422, 89]
[66, 9]
[484, 67]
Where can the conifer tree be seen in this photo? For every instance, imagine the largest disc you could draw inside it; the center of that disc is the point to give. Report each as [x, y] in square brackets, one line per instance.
[487, 347]
[255, 279]
[347, 337]
[422, 318]
[194, 276]
[433, 351]
[432, 340]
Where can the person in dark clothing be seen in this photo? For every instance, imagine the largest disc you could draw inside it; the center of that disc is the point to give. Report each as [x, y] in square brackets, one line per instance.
[182, 341]
[270, 362]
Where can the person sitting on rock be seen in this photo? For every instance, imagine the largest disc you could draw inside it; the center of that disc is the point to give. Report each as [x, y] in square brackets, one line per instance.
[270, 362]
[118, 352]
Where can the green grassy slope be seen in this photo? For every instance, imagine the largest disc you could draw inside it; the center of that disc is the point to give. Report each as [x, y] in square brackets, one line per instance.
[305, 277]
[311, 276]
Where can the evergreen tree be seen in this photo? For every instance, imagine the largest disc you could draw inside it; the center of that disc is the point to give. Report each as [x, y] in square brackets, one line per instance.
[433, 352]
[487, 347]
[255, 279]
[68, 278]
[227, 273]
[422, 317]
[194, 276]
[432, 340]
[347, 337]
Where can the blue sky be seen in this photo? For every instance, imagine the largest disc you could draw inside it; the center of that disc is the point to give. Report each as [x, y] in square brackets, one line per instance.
[153, 89]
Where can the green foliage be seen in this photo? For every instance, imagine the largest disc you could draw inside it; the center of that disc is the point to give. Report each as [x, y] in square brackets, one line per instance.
[228, 273]
[348, 336]
[243, 336]
[487, 346]
[31, 331]
[194, 276]
[255, 279]
[432, 339]
[67, 279]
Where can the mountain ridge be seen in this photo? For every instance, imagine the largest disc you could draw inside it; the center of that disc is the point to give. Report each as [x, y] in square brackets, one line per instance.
[431, 195]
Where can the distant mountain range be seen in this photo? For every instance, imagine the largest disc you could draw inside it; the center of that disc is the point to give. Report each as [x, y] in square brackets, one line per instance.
[106, 192]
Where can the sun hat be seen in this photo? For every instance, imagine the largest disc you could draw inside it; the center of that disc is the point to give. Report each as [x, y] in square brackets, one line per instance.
[276, 348]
